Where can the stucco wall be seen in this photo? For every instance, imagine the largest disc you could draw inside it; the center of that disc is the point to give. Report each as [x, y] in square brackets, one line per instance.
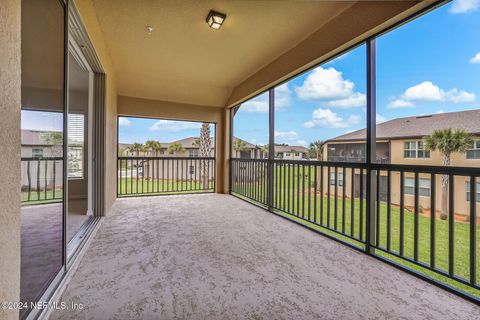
[90, 20]
[10, 102]
[137, 107]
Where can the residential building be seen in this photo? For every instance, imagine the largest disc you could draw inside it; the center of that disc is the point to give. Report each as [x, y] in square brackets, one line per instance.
[402, 141]
[290, 152]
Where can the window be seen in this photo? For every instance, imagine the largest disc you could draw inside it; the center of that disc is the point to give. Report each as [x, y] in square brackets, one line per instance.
[75, 162]
[287, 154]
[76, 140]
[415, 149]
[423, 187]
[467, 187]
[474, 151]
[297, 154]
[339, 178]
[37, 152]
[193, 153]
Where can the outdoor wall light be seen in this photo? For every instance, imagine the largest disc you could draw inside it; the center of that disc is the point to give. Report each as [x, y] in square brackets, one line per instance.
[215, 19]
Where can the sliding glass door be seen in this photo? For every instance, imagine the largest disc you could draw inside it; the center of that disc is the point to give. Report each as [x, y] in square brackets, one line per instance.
[42, 139]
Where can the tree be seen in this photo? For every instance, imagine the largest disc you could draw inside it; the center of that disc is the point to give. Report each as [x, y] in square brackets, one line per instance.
[447, 141]
[153, 146]
[55, 139]
[176, 148]
[265, 149]
[238, 145]
[205, 147]
[315, 149]
[136, 148]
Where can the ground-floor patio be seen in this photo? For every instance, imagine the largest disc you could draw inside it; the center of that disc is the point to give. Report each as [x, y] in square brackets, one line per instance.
[214, 256]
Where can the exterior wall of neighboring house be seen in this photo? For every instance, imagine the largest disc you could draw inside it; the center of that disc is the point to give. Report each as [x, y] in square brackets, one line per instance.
[292, 155]
[397, 147]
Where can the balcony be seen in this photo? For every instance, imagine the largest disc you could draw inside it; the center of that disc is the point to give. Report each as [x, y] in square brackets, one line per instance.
[217, 257]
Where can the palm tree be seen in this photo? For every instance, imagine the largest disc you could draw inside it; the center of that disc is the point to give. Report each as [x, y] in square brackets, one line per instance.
[176, 148]
[152, 145]
[55, 139]
[137, 148]
[205, 147]
[447, 141]
[315, 149]
[238, 145]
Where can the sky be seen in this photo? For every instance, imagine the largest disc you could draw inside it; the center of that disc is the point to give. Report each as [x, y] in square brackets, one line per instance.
[429, 65]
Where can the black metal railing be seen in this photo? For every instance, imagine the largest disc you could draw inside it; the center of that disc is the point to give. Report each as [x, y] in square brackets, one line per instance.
[420, 218]
[42, 180]
[164, 175]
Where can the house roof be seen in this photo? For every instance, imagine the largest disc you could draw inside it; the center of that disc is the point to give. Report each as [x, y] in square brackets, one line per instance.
[188, 143]
[420, 126]
[290, 148]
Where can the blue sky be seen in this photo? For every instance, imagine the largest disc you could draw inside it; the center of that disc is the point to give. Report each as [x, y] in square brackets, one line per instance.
[429, 65]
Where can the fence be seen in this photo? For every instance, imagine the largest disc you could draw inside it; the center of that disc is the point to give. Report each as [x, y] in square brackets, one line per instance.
[420, 218]
[139, 176]
[42, 180]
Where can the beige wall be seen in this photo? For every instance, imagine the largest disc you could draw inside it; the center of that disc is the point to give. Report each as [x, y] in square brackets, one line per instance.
[89, 18]
[137, 107]
[10, 104]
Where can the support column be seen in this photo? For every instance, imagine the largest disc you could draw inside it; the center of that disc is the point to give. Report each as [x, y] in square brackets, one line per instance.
[10, 106]
[271, 146]
[371, 147]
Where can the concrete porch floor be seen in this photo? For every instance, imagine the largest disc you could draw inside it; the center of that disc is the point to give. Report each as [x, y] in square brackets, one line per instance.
[217, 257]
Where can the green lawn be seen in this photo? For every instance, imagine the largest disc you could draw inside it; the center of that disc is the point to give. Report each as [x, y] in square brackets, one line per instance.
[41, 197]
[129, 187]
[295, 203]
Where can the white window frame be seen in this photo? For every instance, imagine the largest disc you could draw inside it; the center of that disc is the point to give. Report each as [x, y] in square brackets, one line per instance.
[467, 189]
[339, 178]
[415, 147]
[423, 184]
[37, 154]
[475, 149]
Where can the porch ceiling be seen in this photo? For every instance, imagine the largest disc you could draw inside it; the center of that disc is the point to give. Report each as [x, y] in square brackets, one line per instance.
[218, 257]
[183, 60]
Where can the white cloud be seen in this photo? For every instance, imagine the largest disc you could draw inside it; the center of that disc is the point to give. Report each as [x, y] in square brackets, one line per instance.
[464, 6]
[357, 99]
[302, 143]
[428, 91]
[328, 119]
[325, 84]
[124, 122]
[174, 126]
[380, 118]
[400, 103]
[260, 104]
[329, 86]
[458, 96]
[287, 135]
[424, 91]
[440, 111]
[476, 58]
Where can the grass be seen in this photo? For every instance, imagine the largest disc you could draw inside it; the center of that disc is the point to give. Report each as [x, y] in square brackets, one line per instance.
[134, 187]
[306, 207]
[41, 197]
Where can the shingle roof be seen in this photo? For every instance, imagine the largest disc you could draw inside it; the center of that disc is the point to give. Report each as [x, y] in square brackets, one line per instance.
[290, 148]
[420, 126]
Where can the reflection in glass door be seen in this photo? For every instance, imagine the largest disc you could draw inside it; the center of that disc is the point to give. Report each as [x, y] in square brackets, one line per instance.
[42, 138]
[79, 146]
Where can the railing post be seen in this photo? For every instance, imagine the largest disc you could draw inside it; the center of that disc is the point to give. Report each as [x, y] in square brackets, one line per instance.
[371, 150]
[271, 147]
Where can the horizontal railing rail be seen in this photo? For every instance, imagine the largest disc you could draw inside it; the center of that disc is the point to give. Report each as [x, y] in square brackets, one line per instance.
[140, 176]
[422, 218]
[41, 180]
